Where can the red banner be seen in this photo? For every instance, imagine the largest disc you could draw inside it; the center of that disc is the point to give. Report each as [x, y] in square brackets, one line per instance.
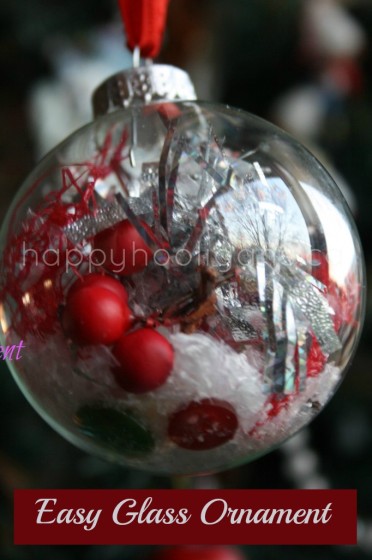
[171, 517]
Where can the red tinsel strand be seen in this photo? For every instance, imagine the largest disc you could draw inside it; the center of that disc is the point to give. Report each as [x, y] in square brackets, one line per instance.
[144, 22]
[27, 282]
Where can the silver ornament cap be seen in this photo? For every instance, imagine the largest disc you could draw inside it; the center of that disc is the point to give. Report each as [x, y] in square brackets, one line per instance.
[142, 85]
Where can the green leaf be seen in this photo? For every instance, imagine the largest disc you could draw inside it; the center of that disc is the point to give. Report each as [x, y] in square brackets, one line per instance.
[121, 432]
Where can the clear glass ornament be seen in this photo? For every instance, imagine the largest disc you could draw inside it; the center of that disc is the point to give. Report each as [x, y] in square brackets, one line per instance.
[254, 275]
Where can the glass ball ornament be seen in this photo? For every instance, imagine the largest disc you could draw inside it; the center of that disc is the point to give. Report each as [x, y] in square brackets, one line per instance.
[185, 281]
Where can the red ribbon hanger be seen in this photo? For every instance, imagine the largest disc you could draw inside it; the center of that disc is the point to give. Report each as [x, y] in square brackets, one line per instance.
[144, 22]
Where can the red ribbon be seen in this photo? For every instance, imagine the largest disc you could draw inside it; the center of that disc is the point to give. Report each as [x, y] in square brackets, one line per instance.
[144, 22]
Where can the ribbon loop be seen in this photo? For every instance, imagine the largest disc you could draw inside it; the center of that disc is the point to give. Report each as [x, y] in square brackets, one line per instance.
[144, 22]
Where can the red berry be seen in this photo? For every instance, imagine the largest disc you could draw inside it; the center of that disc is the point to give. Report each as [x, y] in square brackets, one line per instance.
[102, 280]
[95, 315]
[199, 553]
[124, 250]
[146, 360]
[203, 425]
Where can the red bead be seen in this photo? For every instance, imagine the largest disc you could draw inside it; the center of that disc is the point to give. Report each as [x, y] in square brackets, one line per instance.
[124, 250]
[95, 315]
[199, 553]
[102, 280]
[203, 425]
[146, 360]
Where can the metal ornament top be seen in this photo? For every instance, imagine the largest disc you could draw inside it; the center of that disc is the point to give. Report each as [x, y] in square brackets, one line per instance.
[142, 85]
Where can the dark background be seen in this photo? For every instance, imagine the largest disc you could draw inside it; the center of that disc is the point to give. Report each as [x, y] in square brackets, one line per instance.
[255, 56]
